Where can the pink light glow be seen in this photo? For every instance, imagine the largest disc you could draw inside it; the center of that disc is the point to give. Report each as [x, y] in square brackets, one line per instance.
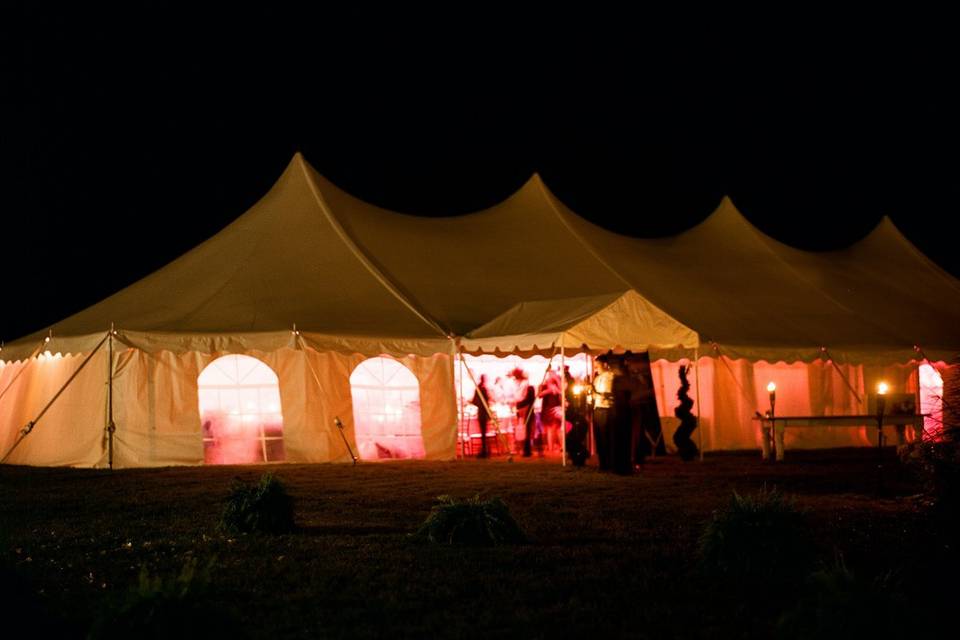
[240, 412]
[504, 389]
[386, 410]
[931, 399]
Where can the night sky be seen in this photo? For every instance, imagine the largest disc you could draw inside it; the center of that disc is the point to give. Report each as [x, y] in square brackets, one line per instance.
[126, 139]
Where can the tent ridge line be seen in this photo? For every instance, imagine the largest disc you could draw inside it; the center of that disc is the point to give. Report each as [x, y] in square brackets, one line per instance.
[586, 245]
[932, 266]
[365, 260]
[760, 236]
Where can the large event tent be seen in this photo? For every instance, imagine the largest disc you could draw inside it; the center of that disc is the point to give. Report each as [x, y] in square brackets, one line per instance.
[314, 282]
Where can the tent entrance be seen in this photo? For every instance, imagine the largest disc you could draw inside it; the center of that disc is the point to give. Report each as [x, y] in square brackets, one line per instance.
[507, 379]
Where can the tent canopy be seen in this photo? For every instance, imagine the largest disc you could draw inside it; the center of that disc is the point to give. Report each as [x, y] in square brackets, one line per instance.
[357, 278]
[758, 299]
[285, 262]
[623, 322]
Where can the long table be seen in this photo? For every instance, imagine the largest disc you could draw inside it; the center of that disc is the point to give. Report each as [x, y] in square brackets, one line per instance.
[778, 425]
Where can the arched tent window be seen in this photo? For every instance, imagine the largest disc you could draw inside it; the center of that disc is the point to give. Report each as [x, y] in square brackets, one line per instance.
[386, 410]
[240, 411]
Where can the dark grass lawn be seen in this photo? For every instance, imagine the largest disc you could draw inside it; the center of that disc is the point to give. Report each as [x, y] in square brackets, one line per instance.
[609, 555]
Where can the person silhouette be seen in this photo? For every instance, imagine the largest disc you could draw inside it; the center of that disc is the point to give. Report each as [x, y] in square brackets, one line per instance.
[481, 398]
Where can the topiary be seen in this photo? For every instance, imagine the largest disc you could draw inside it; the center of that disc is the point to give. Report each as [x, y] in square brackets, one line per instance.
[688, 422]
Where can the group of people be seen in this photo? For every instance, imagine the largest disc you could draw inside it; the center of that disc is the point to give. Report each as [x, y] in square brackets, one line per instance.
[626, 423]
[546, 423]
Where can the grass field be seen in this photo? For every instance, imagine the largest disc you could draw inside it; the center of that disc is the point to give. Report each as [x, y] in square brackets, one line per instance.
[608, 555]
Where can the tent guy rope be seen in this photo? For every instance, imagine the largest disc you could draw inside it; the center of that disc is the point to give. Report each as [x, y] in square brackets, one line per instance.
[29, 359]
[490, 412]
[28, 428]
[836, 368]
[298, 337]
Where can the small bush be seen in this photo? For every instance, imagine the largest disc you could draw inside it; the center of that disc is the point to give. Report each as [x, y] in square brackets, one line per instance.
[472, 522]
[167, 607]
[760, 538]
[937, 465]
[264, 507]
[836, 604]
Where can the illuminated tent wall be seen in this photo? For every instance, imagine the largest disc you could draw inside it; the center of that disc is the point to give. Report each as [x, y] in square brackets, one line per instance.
[359, 281]
[817, 323]
[825, 326]
[286, 261]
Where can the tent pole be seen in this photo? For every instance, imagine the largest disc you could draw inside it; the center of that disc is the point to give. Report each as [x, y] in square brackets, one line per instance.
[593, 444]
[111, 427]
[463, 417]
[696, 364]
[543, 379]
[563, 409]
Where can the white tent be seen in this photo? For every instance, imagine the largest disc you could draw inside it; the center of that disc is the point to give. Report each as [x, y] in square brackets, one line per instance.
[286, 262]
[358, 282]
[597, 324]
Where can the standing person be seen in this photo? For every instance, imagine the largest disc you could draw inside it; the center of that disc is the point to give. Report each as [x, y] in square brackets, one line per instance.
[624, 400]
[576, 437]
[648, 433]
[525, 402]
[551, 409]
[481, 398]
[602, 407]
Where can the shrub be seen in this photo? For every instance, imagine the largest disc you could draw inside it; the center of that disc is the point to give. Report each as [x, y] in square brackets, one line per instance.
[472, 522]
[937, 465]
[836, 604]
[759, 538]
[264, 507]
[167, 607]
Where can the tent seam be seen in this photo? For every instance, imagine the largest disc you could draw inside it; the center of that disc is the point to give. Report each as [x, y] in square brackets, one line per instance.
[760, 236]
[363, 258]
[580, 240]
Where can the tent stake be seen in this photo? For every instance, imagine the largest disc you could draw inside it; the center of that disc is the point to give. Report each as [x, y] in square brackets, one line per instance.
[339, 426]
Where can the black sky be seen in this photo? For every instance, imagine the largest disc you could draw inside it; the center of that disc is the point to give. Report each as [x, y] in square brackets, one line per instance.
[127, 138]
